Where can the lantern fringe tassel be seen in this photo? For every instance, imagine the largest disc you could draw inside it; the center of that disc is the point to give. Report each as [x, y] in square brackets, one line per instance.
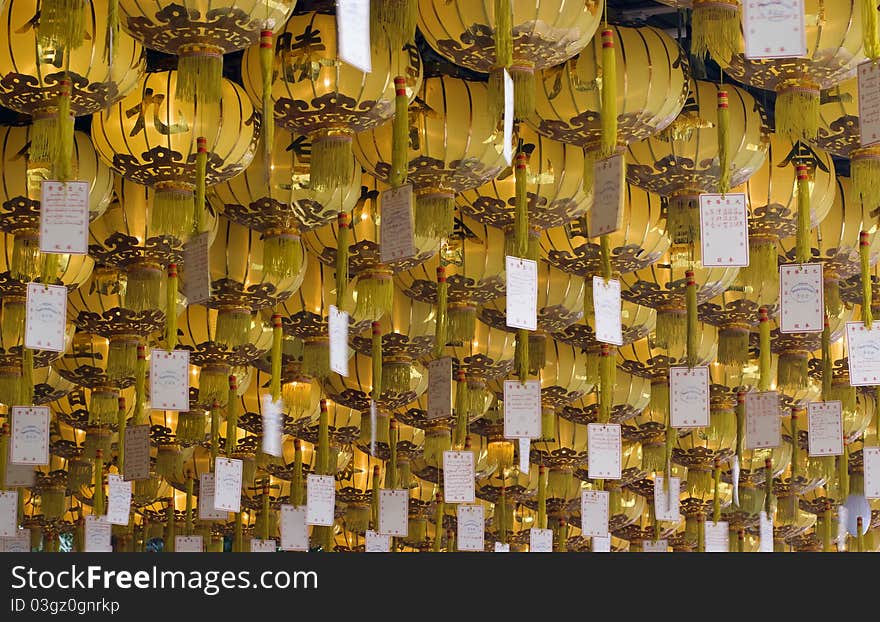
[316, 358]
[213, 386]
[62, 24]
[869, 29]
[462, 324]
[233, 327]
[143, 290]
[802, 242]
[27, 376]
[10, 388]
[791, 373]
[25, 250]
[671, 331]
[396, 19]
[537, 352]
[103, 407]
[172, 214]
[589, 310]
[12, 321]
[762, 273]
[845, 394]
[332, 162]
[342, 251]
[659, 402]
[865, 175]
[441, 327]
[191, 427]
[764, 361]
[282, 255]
[833, 303]
[470, 399]
[43, 134]
[62, 165]
[521, 355]
[715, 30]
[733, 346]
[112, 38]
[591, 366]
[607, 376]
[867, 291]
[589, 176]
[522, 74]
[51, 267]
[200, 75]
[653, 458]
[79, 474]
[797, 112]
[375, 295]
[396, 377]
[434, 217]
[693, 326]
[122, 359]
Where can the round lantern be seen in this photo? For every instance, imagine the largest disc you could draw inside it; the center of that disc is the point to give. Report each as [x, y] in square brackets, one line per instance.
[320, 96]
[152, 139]
[452, 147]
[536, 35]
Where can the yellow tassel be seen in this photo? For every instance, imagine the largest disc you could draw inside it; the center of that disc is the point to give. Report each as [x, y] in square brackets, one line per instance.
[173, 209]
[605, 251]
[439, 511]
[277, 336]
[282, 253]
[589, 311]
[396, 376]
[797, 110]
[98, 498]
[733, 345]
[462, 411]
[316, 357]
[589, 176]
[441, 329]
[792, 367]
[342, 258]
[503, 33]
[332, 160]
[537, 352]
[672, 328]
[231, 416]
[51, 267]
[827, 362]
[12, 314]
[200, 75]
[865, 176]
[323, 458]
[521, 355]
[233, 326]
[170, 529]
[122, 357]
[374, 293]
[795, 444]
[212, 384]
[25, 255]
[692, 319]
[607, 373]
[103, 406]
[143, 287]
[521, 214]
[296, 483]
[4, 454]
[376, 354]
[462, 323]
[715, 30]
[768, 484]
[27, 376]
[62, 24]
[724, 142]
[522, 73]
[400, 134]
[201, 172]
[191, 427]
[42, 136]
[267, 62]
[762, 273]
[764, 381]
[609, 94]
[111, 42]
[63, 167]
[716, 497]
[434, 217]
[870, 36]
[802, 248]
[591, 366]
[393, 21]
[171, 308]
[867, 293]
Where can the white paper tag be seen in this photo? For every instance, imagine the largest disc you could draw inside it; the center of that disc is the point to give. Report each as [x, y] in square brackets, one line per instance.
[337, 327]
[607, 310]
[801, 298]
[20, 475]
[825, 428]
[375, 542]
[540, 540]
[46, 317]
[524, 454]
[118, 500]
[869, 103]
[353, 33]
[97, 536]
[439, 388]
[594, 512]
[64, 217]
[396, 225]
[501, 547]
[272, 422]
[763, 425]
[717, 537]
[606, 215]
[774, 29]
[871, 457]
[320, 500]
[863, 351]
[603, 450]
[724, 230]
[19, 543]
[507, 146]
[689, 397]
[137, 453]
[294, 531]
[189, 544]
[196, 270]
[766, 533]
[522, 293]
[471, 527]
[666, 499]
[600, 544]
[522, 409]
[655, 546]
[8, 513]
[30, 435]
[458, 476]
[169, 380]
[262, 546]
[206, 499]
[227, 484]
[734, 473]
[394, 512]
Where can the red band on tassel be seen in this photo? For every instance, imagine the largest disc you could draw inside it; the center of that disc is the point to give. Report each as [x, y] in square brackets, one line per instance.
[323, 406]
[276, 320]
[763, 316]
[608, 38]
[863, 238]
[202, 144]
[520, 161]
[441, 274]
[172, 270]
[121, 403]
[689, 275]
[342, 220]
[460, 375]
[802, 172]
[400, 85]
[265, 38]
[722, 99]
[141, 352]
[233, 383]
[377, 328]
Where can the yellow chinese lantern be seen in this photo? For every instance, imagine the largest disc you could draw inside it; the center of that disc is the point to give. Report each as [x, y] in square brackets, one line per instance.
[318, 95]
[152, 139]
